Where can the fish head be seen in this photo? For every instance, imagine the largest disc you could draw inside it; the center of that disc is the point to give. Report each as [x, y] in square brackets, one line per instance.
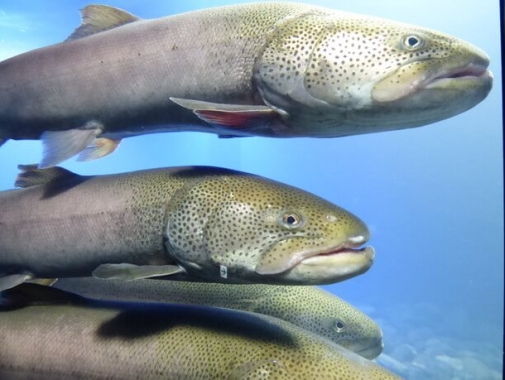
[355, 331]
[338, 74]
[326, 315]
[239, 228]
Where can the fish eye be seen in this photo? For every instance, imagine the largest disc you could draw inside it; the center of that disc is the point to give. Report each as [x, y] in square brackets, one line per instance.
[339, 326]
[413, 42]
[290, 219]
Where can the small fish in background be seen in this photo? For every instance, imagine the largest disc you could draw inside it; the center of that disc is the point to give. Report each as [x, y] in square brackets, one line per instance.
[195, 223]
[84, 338]
[308, 307]
[265, 69]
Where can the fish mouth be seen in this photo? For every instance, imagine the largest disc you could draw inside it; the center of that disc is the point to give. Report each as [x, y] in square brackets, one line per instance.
[372, 350]
[469, 73]
[331, 266]
[294, 257]
[353, 246]
[472, 81]
[288, 253]
[322, 266]
[339, 252]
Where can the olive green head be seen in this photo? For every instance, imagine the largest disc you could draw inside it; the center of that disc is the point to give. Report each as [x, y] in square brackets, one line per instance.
[314, 310]
[342, 73]
[242, 228]
[349, 327]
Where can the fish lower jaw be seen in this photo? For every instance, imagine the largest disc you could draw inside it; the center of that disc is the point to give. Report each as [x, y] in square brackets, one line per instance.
[371, 351]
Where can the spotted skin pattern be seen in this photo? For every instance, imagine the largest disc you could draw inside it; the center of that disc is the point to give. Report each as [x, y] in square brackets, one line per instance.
[218, 225]
[161, 341]
[285, 69]
[242, 222]
[308, 307]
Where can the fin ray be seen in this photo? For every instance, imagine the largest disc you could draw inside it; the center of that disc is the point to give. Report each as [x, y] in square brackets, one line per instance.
[235, 116]
[42, 281]
[99, 18]
[13, 280]
[100, 147]
[62, 145]
[31, 175]
[130, 272]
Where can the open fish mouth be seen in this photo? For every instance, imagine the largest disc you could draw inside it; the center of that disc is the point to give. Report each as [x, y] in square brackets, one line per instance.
[331, 266]
[338, 254]
[471, 72]
[293, 253]
[350, 247]
[372, 350]
[472, 81]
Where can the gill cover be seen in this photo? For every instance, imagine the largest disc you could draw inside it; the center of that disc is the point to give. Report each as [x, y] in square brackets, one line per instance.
[281, 68]
[187, 219]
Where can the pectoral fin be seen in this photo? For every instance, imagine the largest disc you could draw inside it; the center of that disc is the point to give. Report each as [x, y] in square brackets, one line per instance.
[130, 272]
[12, 280]
[235, 116]
[61, 145]
[2, 141]
[100, 147]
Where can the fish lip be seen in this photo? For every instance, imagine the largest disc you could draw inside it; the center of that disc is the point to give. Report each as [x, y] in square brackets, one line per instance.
[340, 250]
[372, 351]
[352, 245]
[468, 71]
[315, 256]
[470, 74]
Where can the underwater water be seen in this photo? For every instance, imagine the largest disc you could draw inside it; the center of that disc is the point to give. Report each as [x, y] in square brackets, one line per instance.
[431, 196]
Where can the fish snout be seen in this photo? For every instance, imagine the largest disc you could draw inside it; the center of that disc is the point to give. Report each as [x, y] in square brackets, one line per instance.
[476, 56]
[371, 348]
[470, 62]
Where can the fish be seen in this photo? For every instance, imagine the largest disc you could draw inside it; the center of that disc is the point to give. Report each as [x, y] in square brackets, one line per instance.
[308, 307]
[261, 69]
[84, 338]
[198, 223]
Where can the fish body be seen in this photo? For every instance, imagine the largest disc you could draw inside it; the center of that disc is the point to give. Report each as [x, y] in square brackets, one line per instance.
[264, 69]
[96, 340]
[210, 224]
[308, 307]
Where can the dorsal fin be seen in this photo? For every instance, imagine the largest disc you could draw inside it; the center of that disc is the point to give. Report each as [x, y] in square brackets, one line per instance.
[99, 18]
[32, 176]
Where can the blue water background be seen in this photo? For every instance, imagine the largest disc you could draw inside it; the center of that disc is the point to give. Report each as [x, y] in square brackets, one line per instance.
[432, 196]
